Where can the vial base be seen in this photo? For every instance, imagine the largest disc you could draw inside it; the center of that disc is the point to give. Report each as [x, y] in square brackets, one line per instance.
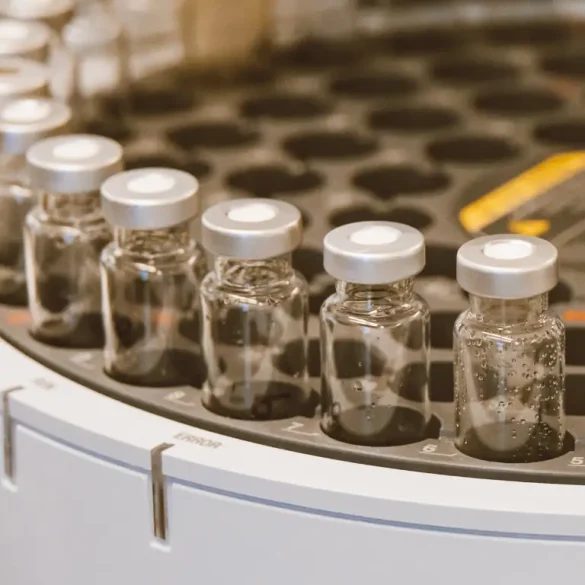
[83, 331]
[513, 442]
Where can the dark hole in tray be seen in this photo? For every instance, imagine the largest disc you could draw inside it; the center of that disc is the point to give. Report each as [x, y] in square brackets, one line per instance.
[317, 300]
[442, 384]
[575, 346]
[528, 33]
[569, 133]
[308, 262]
[212, 135]
[386, 182]
[288, 361]
[329, 145]
[472, 150]
[442, 324]
[374, 85]
[406, 215]
[153, 101]
[318, 54]
[413, 119]
[440, 261]
[273, 180]
[570, 65]
[460, 71]
[196, 167]
[115, 129]
[561, 293]
[285, 107]
[575, 395]
[521, 101]
[423, 41]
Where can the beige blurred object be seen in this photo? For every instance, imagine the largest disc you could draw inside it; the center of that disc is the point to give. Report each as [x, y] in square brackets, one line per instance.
[55, 13]
[226, 34]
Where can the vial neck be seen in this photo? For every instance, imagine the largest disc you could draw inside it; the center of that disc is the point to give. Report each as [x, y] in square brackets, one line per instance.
[253, 274]
[509, 312]
[70, 208]
[150, 243]
[391, 293]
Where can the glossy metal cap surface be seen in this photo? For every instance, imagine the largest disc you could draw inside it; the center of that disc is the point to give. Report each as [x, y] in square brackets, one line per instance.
[26, 39]
[22, 77]
[374, 252]
[507, 266]
[25, 121]
[149, 199]
[251, 229]
[75, 163]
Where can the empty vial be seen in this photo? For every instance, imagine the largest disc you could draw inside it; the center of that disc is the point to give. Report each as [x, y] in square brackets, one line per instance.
[64, 236]
[375, 336]
[255, 309]
[22, 78]
[23, 122]
[150, 279]
[29, 40]
[509, 352]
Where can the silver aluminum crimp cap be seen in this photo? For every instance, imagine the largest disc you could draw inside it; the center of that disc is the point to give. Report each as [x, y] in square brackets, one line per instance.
[507, 266]
[22, 78]
[25, 121]
[75, 163]
[374, 252]
[26, 39]
[150, 199]
[251, 229]
[55, 13]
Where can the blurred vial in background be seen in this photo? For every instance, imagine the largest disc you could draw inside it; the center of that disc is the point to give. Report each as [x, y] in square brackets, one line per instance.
[509, 352]
[28, 40]
[23, 122]
[150, 279]
[22, 78]
[64, 236]
[375, 336]
[255, 305]
[100, 61]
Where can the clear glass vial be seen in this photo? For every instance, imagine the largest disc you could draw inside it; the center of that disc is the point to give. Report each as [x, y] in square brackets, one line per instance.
[150, 279]
[64, 236]
[28, 40]
[255, 311]
[22, 78]
[509, 352]
[23, 122]
[375, 336]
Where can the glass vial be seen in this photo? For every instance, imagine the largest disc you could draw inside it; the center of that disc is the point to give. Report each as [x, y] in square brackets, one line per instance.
[23, 122]
[28, 40]
[22, 78]
[64, 236]
[509, 352]
[375, 336]
[150, 279]
[255, 311]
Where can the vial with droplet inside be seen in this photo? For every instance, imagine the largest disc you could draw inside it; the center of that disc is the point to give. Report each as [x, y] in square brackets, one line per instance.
[255, 311]
[64, 236]
[509, 352]
[375, 336]
[23, 122]
[150, 278]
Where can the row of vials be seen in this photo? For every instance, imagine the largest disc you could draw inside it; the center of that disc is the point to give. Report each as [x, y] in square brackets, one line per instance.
[110, 259]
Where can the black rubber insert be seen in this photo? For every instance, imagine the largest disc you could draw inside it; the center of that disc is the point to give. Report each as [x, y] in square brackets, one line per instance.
[528, 33]
[212, 135]
[442, 324]
[406, 215]
[284, 106]
[386, 182]
[571, 65]
[441, 382]
[330, 145]
[274, 180]
[197, 167]
[462, 71]
[522, 101]
[568, 133]
[440, 261]
[413, 119]
[472, 149]
[374, 85]
[308, 262]
[425, 41]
